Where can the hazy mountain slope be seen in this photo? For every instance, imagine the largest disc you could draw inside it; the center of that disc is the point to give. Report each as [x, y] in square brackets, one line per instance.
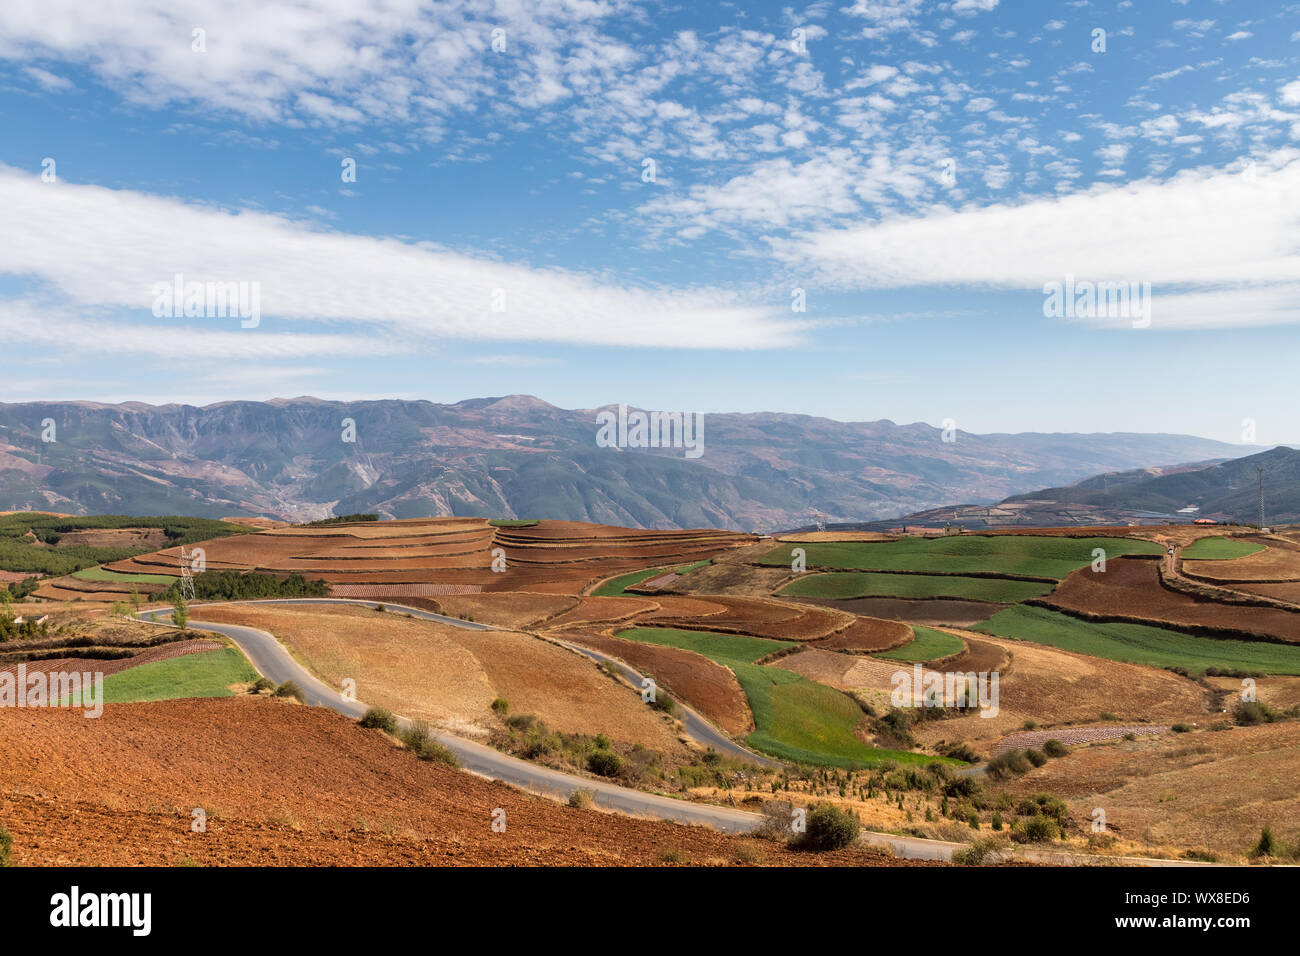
[519, 456]
[1229, 487]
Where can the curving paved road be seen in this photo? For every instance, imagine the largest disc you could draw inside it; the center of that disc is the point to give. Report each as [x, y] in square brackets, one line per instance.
[275, 663]
[699, 729]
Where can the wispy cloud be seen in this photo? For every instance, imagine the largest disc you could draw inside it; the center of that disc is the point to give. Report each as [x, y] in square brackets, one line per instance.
[102, 247]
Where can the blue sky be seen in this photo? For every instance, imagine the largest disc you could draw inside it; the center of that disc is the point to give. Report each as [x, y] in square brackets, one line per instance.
[918, 169]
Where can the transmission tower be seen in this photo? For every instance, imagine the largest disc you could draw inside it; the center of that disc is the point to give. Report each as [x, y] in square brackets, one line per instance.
[187, 579]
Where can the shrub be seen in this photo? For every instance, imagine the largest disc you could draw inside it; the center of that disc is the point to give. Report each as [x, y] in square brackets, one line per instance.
[290, 689]
[962, 787]
[1266, 846]
[416, 734]
[957, 751]
[379, 719]
[1030, 724]
[521, 722]
[1250, 712]
[1036, 757]
[997, 820]
[6, 848]
[1181, 729]
[582, 799]
[672, 854]
[262, 684]
[827, 827]
[604, 763]
[1007, 763]
[1107, 715]
[430, 749]
[1035, 829]
[1054, 748]
[747, 852]
[664, 703]
[501, 706]
[977, 853]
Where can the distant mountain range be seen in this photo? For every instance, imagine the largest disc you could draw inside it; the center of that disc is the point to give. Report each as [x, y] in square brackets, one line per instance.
[1224, 491]
[519, 456]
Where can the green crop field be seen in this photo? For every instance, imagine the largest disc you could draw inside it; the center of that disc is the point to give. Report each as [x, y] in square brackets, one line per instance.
[859, 584]
[614, 587]
[927, 645]
[1036, 555]
[513, 522]
[1140, 643]
[796, 719]
[617, 587]
[1219, 549]
[104, 574]
[205, 674]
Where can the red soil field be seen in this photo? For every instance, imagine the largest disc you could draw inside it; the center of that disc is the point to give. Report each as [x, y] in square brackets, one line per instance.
[868, 635]
[592, 610]
[761, 617]
[289, 785]
[706, 686]
[557, 557]
[1130, 587]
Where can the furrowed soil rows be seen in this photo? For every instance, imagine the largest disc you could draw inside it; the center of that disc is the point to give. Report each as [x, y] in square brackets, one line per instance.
[868, 635]
[290, 785]
[1131, 588]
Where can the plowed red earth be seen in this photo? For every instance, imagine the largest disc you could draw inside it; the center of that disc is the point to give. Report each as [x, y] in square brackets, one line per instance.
[592, 610]
[763, 618]
[1131, 587]
[289, 785]
[979, 656]
[706, 686]
[555, 557]
[869, 635]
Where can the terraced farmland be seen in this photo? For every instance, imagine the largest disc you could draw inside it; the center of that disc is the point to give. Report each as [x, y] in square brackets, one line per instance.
[1141, 644]
[205, 674]
[795, 718]
[1220, 549]
[1131, 588]
[425, 556]
[927, 645]
[1034, 557]
[842, 585]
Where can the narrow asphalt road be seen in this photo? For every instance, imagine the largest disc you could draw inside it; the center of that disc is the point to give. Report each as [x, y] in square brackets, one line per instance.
[274, 662]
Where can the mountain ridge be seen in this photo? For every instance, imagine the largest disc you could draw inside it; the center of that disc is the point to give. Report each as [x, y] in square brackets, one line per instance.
[520, 456]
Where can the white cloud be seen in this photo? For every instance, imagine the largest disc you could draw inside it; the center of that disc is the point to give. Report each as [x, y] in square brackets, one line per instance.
[101, 247]
[973, 6]
[321, 61]
[47, 79]
[1170, 233]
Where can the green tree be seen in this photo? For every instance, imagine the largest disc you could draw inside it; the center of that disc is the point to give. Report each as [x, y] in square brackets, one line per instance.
[180, 612]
